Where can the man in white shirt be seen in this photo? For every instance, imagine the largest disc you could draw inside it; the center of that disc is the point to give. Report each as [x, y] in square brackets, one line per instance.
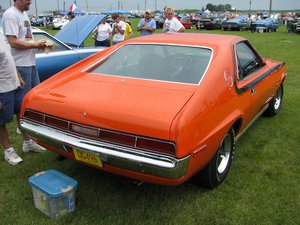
[17, 28]
[172, 24]
[118, 29]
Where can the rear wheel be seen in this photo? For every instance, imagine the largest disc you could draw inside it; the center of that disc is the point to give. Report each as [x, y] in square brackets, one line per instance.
[218, 167]
[275, 103]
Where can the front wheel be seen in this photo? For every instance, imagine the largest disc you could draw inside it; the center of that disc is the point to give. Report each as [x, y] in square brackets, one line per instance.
[218, 167]
[275, 103]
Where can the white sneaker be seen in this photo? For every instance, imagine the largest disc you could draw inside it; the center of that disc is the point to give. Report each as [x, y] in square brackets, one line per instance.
[12, 157]
[32, 147]
[18, 131]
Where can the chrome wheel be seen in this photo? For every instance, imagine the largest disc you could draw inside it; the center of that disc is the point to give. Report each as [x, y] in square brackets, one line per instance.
[275, 103]
[277, 99]
[223, 156]
[218, 167]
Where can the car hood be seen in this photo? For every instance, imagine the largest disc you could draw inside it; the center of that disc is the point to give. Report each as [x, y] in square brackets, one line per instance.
[128, 105]
[80, 25]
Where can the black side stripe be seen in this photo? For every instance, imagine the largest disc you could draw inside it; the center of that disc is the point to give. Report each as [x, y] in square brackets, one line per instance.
[257, 80]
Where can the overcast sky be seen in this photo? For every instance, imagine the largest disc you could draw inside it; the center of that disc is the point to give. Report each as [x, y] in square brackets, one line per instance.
[100, 5]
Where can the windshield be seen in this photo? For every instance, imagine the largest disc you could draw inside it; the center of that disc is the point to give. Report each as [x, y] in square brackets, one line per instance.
[172, 63]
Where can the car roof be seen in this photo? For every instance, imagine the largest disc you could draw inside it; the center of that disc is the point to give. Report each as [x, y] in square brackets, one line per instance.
[194, 39]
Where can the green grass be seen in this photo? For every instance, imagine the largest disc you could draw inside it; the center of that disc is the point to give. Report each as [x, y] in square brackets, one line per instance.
[263, 186]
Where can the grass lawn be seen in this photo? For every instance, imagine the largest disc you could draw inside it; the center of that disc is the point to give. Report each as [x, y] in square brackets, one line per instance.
[263, 186]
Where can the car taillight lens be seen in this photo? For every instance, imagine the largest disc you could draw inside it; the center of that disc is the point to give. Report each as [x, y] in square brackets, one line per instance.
[117, 138]
[34, 116]
[62, 124]
[156, 145]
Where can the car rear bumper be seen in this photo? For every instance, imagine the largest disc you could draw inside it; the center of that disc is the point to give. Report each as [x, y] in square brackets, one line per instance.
[113, 155]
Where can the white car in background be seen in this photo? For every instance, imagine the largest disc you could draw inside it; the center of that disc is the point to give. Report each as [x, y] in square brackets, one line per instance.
[59, 22]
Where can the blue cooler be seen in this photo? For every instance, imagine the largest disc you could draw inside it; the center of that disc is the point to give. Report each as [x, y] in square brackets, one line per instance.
[53, 193]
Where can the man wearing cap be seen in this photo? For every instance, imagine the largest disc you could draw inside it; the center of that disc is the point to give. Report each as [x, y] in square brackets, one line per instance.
[147, 25]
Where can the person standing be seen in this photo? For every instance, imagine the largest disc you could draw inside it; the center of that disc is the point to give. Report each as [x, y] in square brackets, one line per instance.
[147, 25]
[128, 30]
[172, 24]
[102, 34]
[11, 98]
[118, 29]
[249, 21]
[17, 29]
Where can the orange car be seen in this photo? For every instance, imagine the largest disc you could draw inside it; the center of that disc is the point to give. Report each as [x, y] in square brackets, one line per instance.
[159, 108]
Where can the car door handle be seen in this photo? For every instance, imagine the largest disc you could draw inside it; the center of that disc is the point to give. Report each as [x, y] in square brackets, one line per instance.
[253, 90]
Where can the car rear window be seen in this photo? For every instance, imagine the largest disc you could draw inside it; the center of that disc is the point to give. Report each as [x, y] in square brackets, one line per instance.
[183, 64]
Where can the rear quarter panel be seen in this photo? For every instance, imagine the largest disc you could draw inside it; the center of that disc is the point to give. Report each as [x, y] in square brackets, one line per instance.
[202, 124]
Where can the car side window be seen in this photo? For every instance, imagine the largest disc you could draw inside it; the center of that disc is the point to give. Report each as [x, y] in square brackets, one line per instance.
[56, 45]
[247, 59]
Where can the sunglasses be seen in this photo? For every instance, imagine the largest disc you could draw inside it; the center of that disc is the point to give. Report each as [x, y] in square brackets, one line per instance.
[170, 14]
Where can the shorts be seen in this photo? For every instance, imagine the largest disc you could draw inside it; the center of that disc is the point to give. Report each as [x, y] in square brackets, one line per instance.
[30, 76]
[11, 104]
[105, 43]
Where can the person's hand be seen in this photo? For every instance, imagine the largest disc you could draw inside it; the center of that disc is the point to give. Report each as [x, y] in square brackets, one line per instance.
[22, 82]
[40, 44]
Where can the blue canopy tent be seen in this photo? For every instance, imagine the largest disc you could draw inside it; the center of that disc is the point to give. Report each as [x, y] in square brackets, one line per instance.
[109, 12]
[76, 12]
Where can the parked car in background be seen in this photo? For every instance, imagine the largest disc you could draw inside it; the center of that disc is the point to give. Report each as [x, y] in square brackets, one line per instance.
[209, 23]
[159, 20]
[294, 25]
[266, 25]
[237, 23]
[59, 22]
[166, 123]
[38, 22]
[195, 18]
[186, 23]
[298, 25]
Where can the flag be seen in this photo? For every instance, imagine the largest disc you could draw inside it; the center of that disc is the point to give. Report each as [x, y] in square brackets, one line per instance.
[73, 6]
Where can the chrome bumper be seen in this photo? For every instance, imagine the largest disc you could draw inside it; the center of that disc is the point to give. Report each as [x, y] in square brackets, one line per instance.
[113, 155]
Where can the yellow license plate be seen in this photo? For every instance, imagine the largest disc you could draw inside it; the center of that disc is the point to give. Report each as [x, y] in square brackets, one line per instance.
[87, 157]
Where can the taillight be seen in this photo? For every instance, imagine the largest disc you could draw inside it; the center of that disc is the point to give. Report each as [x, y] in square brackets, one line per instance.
[86, 131]
[142, 143]
[62, 124]
[34, 116]
[156, 145]
[117, 138]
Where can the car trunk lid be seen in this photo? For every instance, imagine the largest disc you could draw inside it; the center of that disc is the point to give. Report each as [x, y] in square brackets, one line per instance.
[136, 106]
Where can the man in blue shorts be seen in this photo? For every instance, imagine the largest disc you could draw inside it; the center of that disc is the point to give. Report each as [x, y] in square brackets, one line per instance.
[11, 97]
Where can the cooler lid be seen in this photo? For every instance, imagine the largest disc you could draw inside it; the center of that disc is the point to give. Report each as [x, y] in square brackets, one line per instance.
[53, 182]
